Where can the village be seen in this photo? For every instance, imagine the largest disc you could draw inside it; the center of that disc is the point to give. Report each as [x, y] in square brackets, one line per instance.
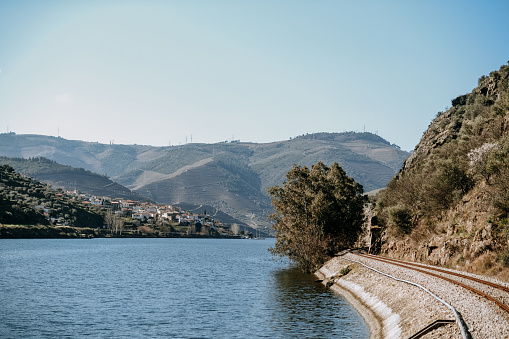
[130, 218]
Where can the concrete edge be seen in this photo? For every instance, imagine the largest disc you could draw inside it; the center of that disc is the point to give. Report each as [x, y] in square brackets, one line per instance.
[372, 320]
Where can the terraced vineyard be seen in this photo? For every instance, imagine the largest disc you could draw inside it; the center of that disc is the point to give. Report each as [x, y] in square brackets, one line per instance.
[230, 176]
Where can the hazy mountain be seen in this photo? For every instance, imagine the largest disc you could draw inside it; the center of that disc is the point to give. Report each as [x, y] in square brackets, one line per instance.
[232, 176]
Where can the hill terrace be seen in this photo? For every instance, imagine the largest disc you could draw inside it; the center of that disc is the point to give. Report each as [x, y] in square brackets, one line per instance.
[233, 175]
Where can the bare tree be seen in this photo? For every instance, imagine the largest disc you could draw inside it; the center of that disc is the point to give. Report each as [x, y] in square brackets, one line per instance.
[118, 224]
[236, 229]
[114, 222]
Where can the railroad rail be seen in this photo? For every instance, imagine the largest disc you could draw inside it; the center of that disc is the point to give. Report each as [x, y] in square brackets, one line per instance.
[459, 320]
[421, 269]
[433, 268]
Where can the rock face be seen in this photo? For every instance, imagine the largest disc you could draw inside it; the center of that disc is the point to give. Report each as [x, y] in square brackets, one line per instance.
[453, 187]
[463, 238]
[433, 138]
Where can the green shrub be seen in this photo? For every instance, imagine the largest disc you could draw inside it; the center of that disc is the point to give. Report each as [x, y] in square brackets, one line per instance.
[400, 218]
[345, 271]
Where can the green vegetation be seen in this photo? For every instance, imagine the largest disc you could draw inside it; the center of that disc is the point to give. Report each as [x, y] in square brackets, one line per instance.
[25, 201]
[69, 178]
[345, 271]
[318, 213]
[38, 166]
[31, 209]
[504, 257]
[47, 231]
[463, 147]
[458, 175]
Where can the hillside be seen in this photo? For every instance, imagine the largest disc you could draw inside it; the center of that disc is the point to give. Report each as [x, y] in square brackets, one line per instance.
[110, 160]
[449, 203]
[26, 201]
[70, 178]
[368, 158]
[231, 177]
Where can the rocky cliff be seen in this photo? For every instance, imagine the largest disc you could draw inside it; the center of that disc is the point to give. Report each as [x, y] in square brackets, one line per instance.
[449, 203]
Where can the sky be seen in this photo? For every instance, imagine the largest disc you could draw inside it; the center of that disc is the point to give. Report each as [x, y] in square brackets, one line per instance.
[173, 72]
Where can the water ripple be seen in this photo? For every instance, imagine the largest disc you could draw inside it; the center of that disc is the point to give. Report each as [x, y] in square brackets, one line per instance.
[153, 288]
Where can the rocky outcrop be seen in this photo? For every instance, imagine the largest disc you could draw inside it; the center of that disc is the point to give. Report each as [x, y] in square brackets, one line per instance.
[434, 137]
[463, 238]
[453, 187]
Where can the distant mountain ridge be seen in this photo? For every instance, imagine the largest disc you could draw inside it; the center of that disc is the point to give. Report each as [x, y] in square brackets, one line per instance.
[232, 176]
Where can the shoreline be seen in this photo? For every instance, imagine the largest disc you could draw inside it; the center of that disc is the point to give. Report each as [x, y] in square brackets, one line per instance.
[390, 308]
[370, 318]
[70, 232]
[396, 302]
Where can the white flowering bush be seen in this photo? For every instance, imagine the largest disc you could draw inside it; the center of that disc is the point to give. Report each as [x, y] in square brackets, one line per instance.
[478, 158]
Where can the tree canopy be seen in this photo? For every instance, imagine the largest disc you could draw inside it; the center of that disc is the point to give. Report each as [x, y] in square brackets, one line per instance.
[318, 212]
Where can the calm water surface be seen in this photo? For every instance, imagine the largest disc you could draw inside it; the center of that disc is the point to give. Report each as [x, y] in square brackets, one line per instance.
[152, 288]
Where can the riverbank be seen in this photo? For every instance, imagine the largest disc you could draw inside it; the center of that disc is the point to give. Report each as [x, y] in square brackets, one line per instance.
[395, 309]
[67, 232]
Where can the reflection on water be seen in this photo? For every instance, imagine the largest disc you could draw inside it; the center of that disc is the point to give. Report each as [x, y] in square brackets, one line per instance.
[163, 288]
[305, 308]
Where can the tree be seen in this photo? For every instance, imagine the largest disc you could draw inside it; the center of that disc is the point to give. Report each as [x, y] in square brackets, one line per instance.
[235, 229]
[318, 212]
[118, 224]
[114, 222]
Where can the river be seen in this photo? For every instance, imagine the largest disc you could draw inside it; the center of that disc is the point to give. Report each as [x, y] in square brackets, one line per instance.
[163, 288]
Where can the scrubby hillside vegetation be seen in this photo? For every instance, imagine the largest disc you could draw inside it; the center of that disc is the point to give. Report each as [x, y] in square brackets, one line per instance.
[70, 178]
[449, 204]
[26, 201]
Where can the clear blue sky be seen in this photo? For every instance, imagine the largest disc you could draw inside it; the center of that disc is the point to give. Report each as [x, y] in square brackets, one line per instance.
[158, 72]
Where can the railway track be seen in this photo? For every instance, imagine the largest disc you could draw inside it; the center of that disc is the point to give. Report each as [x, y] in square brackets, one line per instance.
[441, 274]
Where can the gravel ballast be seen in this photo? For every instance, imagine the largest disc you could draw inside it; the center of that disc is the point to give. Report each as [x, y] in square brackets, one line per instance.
[395, 309]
